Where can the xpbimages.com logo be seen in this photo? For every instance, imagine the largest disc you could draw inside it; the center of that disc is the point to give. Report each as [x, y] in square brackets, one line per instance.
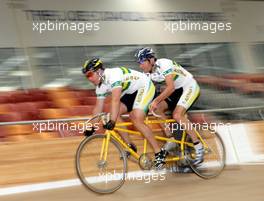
[79, 127]
[181, 126]
[79, 27]
[146, 177]
[212, 27]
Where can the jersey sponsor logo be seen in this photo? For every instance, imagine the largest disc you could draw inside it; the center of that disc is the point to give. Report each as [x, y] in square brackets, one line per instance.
[102, 95]
[188, 95]
[179, 72]
[167, 72]
[177, 69]
[131, 77]
[140, 95]
[116, 84]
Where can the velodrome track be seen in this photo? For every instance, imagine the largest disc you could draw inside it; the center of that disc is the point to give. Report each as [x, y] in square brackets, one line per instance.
[48, 160]
[242, 183]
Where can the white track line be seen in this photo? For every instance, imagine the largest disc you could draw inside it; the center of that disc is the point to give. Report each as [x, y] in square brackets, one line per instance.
[39, 187]
[137, 175]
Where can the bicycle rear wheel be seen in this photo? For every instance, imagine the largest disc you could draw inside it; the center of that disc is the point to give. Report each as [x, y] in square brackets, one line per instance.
[214, 156]
[99, 175]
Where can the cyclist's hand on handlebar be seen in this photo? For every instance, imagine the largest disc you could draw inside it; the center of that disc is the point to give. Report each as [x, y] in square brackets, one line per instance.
[109, 125]
[153, 106]
[89, 132]
[152, 110]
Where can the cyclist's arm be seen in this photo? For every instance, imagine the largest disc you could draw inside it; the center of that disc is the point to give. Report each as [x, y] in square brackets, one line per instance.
[116, 94]
[99, 106]
[168, 90]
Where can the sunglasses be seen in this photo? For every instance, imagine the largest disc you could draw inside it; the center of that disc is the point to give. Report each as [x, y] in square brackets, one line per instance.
[141, 61]
[89, 74]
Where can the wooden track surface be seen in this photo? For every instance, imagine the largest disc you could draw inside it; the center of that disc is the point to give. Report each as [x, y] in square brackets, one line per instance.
[42, 161]
[256, 135]
[239, 184]
[53, 159]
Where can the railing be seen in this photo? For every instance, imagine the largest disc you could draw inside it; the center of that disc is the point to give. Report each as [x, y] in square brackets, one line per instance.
[258, 108]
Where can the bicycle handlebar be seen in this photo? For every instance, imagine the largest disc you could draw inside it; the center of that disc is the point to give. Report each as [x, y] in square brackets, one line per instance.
[100, 115]
[156, 115]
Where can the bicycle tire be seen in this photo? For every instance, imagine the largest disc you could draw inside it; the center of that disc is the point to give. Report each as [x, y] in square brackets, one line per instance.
[80, 169]
[211, 167]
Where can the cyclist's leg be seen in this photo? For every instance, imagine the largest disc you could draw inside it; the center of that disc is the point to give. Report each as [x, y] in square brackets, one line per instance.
[161, 112]
[127, 102]
[190, 94]
[138, 114]
[169, 104]
[139, 110]
[180, 117]
[124, 135]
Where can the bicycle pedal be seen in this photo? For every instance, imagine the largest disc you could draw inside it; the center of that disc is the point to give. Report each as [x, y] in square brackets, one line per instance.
[127, 155]
[161, 167]
[181, 169]
[199, 163]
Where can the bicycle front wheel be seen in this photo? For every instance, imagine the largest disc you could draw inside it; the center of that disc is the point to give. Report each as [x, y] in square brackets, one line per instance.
[214, 156]
[96, 173]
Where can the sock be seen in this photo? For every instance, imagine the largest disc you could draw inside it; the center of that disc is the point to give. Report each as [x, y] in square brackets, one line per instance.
[162, 152]
[198, 146]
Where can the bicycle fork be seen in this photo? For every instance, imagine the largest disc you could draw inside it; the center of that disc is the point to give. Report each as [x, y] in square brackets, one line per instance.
[104, 148]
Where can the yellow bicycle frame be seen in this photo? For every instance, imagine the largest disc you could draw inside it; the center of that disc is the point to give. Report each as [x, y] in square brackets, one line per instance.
[116, 136]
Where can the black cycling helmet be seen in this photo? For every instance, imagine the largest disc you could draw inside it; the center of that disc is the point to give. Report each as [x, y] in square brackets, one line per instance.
[144, 53]
[92, 65]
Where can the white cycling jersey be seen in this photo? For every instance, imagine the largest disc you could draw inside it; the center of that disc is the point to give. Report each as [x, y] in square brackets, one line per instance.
[130, 81]
[164, 67]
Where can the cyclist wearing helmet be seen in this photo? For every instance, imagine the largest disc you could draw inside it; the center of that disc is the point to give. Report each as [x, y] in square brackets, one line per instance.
[132, 92]
[181, 91]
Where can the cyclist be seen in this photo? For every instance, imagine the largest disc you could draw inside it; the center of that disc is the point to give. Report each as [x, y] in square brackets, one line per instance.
[181, 91]
[132, 92]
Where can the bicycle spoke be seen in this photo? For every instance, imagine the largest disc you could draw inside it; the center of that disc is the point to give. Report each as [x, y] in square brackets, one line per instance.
[97, 174]
[214, 157]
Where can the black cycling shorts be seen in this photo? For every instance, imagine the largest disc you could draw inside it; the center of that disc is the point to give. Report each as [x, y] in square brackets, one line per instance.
[128, 100]
[174, 98]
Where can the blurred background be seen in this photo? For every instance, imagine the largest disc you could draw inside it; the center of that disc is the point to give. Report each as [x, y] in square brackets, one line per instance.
[229, 65]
